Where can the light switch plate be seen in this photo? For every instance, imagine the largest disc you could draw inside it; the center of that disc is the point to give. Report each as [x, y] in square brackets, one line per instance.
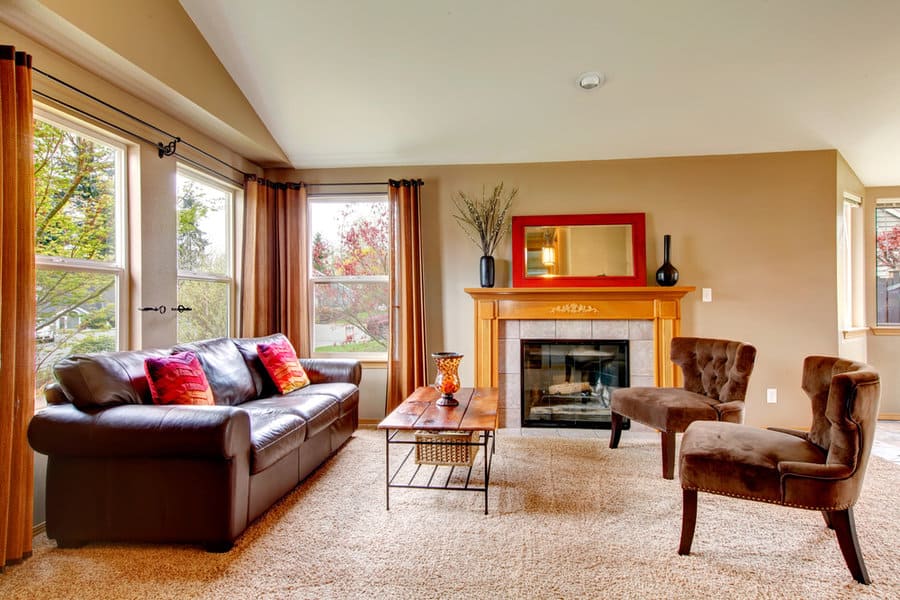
[707, 294]
[771, 395]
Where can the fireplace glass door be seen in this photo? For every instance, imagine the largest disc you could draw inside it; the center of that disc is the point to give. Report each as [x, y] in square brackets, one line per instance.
[568, 383]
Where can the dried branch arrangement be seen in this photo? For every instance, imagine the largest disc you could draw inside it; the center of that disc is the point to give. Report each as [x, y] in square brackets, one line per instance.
[485, 221]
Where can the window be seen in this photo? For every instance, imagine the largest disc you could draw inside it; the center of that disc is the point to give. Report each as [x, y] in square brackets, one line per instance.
[887, 261]
[349, 267]
[205, 242]
[851, 302]
[79, 216]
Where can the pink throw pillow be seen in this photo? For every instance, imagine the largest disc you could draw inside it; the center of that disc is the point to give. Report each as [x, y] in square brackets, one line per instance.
[283, 366]
[178, 379]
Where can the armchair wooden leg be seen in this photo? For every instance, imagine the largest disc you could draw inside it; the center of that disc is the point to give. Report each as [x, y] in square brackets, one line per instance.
[688, 520]
[845, 528]
[615, 429]
[668, 454]
[827, 517]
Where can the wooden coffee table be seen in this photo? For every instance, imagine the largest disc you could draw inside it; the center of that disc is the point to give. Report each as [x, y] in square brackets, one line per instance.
[419, 414]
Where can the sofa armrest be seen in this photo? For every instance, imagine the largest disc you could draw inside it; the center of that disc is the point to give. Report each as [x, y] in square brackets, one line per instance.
[332, 370]
[144, 431]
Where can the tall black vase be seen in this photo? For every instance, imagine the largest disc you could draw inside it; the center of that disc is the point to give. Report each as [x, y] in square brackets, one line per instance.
[487, 271]
[667, 274]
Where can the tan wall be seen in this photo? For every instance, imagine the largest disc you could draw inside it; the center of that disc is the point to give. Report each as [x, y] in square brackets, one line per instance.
[883, 350]
[757, 229]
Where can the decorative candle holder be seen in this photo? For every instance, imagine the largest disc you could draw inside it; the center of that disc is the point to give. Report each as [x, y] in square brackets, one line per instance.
[447, 381]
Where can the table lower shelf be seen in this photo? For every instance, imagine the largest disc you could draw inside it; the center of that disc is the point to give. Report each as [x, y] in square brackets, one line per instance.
[409, 474]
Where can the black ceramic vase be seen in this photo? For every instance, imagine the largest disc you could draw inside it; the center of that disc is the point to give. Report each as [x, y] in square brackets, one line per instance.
[487, 271]
[667, 274]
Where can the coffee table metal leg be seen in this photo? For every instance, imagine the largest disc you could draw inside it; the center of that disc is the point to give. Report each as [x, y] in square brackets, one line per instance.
[487, 469]
[387, 469]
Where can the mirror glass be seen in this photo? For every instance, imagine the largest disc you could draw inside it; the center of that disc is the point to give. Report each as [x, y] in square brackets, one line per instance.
[605, 249]
[579, 251]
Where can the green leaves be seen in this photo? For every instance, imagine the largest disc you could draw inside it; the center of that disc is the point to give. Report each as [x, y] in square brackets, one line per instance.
[485, 221]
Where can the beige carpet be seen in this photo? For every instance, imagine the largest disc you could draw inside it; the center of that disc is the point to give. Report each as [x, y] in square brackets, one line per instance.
[569, 519]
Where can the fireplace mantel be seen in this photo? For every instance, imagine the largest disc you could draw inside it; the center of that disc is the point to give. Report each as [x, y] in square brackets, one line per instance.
[662, 305]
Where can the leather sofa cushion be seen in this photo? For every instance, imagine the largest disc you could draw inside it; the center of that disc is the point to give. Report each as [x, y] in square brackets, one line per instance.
[666, 409]
[106, 378]
[740, 460]
[225, 369]
[319, 411]
[346, 394]
[274, 434]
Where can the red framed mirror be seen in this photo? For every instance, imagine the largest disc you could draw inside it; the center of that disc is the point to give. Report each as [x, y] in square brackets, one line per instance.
[594, 250]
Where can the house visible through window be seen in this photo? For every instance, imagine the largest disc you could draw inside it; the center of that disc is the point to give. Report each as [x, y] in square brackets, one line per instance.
[887, 261]
[350, 264]
[79, 216]
[205, 210]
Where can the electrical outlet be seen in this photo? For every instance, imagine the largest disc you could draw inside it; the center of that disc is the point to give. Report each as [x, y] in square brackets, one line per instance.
[707, 294]
[771, 395]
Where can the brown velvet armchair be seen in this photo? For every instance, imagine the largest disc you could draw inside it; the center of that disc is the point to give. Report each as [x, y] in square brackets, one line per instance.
[715, 372]
[820, 470]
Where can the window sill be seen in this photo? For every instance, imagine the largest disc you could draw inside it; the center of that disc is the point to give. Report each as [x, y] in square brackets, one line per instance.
[886, 330]
[367, 361]
[854, 332]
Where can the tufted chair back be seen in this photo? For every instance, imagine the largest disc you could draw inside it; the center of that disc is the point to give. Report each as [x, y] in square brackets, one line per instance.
[719, 369]
[844, 395]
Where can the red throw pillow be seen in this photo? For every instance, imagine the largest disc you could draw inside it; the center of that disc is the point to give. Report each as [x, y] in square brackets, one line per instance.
[177, 379]
[283, 366]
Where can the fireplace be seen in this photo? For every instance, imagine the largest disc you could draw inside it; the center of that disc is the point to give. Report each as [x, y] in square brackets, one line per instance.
[568, 383]
[646, 317]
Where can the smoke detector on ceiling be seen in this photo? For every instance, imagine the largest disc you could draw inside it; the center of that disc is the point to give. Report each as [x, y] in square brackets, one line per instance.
[591, 80]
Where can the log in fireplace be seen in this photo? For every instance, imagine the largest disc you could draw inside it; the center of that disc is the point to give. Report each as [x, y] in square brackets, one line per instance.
[568, 383]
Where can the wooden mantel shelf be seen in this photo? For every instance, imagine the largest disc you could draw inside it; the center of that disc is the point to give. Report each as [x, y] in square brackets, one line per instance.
[662, 305]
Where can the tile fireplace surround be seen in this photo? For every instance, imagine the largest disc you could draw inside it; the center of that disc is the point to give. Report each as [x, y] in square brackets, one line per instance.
[648, 317]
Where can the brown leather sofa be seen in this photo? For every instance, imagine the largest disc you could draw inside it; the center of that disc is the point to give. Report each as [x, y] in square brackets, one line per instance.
[123, 469]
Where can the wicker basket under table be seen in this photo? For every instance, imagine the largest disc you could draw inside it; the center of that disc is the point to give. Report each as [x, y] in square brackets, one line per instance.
[446, 448]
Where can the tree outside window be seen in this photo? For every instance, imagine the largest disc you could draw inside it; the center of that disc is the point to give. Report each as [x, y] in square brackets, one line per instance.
[350, 264]
[887, 262]
[79, 200]
[204, 249]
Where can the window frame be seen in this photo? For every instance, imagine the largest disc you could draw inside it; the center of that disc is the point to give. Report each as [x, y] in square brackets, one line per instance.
[879, 328]
[367, 358]
[231, 243]
[119, 266]
[851, 300]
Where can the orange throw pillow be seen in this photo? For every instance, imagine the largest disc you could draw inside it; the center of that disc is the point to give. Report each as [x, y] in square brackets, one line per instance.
[178, 379]
[283, 366]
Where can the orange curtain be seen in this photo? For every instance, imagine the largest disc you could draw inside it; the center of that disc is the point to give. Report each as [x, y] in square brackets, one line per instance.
[406, 352]
[274, 282]
[17, 305]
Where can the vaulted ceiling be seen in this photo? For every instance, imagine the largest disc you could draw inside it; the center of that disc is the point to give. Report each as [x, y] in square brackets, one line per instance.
[471, 81]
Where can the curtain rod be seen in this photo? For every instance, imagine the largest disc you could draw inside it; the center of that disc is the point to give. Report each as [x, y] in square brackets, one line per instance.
[388, 182]
[164, 150]
[93, 117]
[350, 183]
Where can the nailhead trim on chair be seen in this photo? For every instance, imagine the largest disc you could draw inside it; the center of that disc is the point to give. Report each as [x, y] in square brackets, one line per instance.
[718, 493]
